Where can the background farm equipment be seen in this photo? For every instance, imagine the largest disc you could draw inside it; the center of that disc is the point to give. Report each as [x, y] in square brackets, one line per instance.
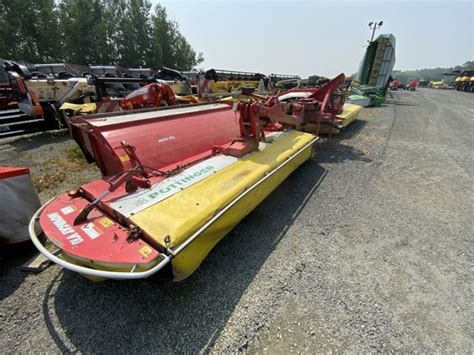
[313, 81]
[438, 85]
[57, 91]
[44, 98]
[58, 71]
[217, 83]
[373, 78]
[411, 85]
[179, 82]
[228, 81]
[33, 98]
[366, 95]
[396, 84]
[311, 100]
[465, 81]
[275, 78]
[156, 94]
[20, 109]
[378, 62]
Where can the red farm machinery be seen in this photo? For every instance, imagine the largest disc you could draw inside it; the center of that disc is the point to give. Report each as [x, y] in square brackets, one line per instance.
[176, 180]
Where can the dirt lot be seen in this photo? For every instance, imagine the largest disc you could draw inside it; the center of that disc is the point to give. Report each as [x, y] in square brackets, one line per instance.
[367, 247]
[55, 161]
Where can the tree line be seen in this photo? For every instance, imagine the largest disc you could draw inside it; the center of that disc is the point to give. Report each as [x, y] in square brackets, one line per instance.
[129, 33]
[432, 74]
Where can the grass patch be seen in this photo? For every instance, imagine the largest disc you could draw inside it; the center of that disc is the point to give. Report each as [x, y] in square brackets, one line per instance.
[74, 153]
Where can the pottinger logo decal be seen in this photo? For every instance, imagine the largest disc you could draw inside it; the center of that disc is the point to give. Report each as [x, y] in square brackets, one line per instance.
[65, 229]
[142, 199]
[183, 182]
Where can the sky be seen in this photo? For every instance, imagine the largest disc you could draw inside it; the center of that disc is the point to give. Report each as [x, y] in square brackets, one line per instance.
[323, 37]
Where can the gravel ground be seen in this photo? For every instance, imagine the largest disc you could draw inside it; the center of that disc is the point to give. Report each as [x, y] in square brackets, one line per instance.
[55, 161]
[367, 247]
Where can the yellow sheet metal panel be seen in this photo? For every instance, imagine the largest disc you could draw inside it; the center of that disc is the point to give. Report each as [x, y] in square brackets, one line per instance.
[82, 108]
[183, 213]
[218, 87]
[191, 257]
[349, 110]
[350, 114]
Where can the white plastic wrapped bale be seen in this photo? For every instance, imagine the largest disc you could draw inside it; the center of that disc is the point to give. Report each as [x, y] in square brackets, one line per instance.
[18, 202]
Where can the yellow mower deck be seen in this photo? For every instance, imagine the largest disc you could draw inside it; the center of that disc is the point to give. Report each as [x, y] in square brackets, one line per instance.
[172, 221]
[349, 114]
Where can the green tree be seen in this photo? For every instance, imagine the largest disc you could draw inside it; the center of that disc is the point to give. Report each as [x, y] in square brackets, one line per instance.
[3, 30]
[161, 38]
[432, 73]
[89, 32]
[135, 33]
[29, 30]
[48, 36]
[185, 58]
[169, 47]
[469, 65]
[84, 24]
[113, 22]
[18, 29]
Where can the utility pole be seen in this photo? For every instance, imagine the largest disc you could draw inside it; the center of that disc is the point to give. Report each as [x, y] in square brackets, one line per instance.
[374, 25]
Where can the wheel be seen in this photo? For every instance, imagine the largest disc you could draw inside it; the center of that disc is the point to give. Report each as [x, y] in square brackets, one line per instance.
[52, 116]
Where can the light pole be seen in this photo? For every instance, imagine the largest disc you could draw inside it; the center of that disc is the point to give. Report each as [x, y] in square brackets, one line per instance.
[374, 25]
